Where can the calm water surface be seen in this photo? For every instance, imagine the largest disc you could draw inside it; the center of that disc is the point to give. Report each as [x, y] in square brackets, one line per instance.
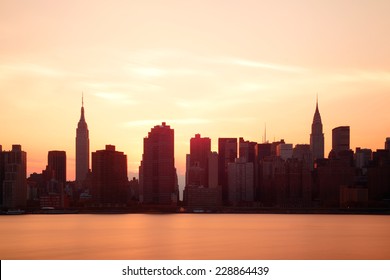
[194, 236]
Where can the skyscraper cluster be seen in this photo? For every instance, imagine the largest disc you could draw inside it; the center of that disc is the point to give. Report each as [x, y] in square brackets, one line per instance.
[241, 174]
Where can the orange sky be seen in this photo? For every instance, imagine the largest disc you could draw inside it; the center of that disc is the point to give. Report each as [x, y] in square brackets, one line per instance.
[219, 68]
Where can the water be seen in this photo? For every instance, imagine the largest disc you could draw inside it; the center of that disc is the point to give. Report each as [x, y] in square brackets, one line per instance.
[194, 236]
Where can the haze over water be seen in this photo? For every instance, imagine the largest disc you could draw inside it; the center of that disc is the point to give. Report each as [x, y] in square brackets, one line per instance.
[195, 236]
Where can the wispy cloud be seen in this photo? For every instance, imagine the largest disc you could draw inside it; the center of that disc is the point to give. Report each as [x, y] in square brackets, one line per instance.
[115, 97]
[264, 65]
[31, 69]
[150, 123]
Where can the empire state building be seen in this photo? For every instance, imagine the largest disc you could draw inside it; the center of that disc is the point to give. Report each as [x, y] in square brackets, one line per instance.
[317, 136]
[82, 147]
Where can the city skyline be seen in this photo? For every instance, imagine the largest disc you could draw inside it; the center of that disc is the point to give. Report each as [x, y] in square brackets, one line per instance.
[220, 70]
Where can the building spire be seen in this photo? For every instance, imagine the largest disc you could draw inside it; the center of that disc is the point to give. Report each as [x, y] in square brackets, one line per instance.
[82, 117]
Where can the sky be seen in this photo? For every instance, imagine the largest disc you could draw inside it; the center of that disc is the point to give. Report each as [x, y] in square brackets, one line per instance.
[218, 68]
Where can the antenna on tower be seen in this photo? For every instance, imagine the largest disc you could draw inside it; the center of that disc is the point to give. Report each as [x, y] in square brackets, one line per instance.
[82, 98]
[265, 132]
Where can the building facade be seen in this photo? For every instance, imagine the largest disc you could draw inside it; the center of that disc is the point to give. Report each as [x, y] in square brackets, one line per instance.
[109, 177]
[317, 142]
[240, 182]
[15, 181]
[158, 181]
[227, 153]
[340, 139]
[198, 166]
[82, 148]
[56, 165]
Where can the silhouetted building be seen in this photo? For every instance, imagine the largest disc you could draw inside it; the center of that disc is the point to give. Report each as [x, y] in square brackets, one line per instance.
[270, 168]
[362, 157]
[387, 143]
[241, 182]
[82, 148]
[56, 164]
[340, 139]
[247, 150]
[213, 169]
[134, 189]
[378, 175]
[353, 197]
[328, 176]
[15, 183]
[158, 181]
[303, 153]
[198, 168]
[109, 177]
[285, 151]
[317, 136]
[263, 150]
[202, 199]
[227, 153]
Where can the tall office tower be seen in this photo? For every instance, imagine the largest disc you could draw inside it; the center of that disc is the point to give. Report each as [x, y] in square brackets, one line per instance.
[109, 176]
[387, 143]
[158, 184]
[56, 165]
[213, 170]
[227, 153]
[340, 139]
[15, 181]
[82, 148]
[317, 136]
[241, 182]
[247, 150]
[197, 172]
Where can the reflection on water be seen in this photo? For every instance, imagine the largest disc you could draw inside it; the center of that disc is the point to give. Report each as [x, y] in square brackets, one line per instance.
[195, 236]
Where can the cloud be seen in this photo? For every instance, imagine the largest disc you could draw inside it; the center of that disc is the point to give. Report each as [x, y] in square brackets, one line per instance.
[264, 65]
[31, 69]
[115, 97]
[151, 123]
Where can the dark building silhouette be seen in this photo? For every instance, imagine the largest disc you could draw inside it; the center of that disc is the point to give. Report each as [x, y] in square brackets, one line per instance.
[109, 177]
[202, 191]
[303, 153]
[328, 177]
[227, 153]
[82, 148]
[198, 169]
[340, 139]
[15, 181]
[317, 136]
[378, 175]
[263, 150]
[387, 143]
[56, 164]
[158, 180]
[241, 189]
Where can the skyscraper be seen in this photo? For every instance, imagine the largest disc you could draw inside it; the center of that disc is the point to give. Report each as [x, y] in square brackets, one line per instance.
[227, 153]
[82, 147]
[158, 183]
[15, 182]
[340, 139]
[317, 136]
[197, 172]
[56, 165]
[109, 176]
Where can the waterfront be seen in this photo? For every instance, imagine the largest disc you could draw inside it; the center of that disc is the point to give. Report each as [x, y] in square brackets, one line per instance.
[195, 236]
